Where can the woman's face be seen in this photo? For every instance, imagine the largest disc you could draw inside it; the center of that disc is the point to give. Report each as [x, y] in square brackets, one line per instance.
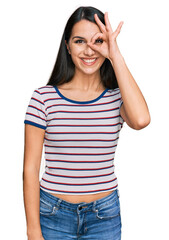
[85, 59]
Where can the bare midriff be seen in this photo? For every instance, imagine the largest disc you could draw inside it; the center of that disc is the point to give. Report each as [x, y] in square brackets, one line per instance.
[82, 198]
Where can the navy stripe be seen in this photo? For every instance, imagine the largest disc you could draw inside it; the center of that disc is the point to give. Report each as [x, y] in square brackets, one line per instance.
[80, 102]
[34, 124]
[75, 154]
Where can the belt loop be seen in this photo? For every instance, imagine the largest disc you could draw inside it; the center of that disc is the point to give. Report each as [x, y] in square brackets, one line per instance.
[94, 204]
[59, 202]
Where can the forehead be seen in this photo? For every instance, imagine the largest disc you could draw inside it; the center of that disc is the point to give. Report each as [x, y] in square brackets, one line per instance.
[85, 28]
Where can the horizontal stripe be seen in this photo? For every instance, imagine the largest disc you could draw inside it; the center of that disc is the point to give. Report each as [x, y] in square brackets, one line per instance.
[82, 132]
[80, 139]
[86, 119]
[51, 160]
[36, 116]
[84, 112]
[31, 106]
[80, 169]
[75, 154]
[78, 184]
[77, 105]
[79, 146]
[66, 176]
[37, 100]
[91, 125]
[77, 192]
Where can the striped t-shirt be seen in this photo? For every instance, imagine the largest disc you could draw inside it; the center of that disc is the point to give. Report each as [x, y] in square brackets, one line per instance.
[80, 140]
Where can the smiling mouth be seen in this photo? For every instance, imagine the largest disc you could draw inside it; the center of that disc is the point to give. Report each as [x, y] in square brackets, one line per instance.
[89, 61]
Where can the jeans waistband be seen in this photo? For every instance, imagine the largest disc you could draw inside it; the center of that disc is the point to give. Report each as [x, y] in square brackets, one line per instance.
[58, 201]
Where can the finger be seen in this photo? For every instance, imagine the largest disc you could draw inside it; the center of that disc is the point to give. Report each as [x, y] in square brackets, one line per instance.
[100, 24]
[107, 22]
[98, 36]
[94, 47]
[118, 29]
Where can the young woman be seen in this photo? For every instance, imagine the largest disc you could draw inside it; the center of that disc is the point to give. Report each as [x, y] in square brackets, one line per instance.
[78, 116]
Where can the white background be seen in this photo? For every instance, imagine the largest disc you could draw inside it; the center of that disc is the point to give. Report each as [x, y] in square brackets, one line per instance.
[30, 36]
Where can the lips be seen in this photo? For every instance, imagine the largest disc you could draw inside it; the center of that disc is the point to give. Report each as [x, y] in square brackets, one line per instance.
[89, 61]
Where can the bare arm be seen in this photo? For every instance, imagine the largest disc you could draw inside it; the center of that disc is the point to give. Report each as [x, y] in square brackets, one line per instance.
[134, 109]
[34, 138]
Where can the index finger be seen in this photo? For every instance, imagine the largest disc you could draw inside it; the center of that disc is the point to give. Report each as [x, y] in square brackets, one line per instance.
[100, 24]
[108, 25]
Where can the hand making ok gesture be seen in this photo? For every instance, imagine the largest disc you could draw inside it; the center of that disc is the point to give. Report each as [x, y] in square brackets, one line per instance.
[108, 45]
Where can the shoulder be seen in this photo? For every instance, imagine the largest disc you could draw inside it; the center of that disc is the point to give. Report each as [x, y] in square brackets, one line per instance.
[114, 92]
[44, 93]
[45, 89]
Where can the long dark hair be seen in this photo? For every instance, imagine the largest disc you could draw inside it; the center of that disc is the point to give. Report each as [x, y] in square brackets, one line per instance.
[64, 67]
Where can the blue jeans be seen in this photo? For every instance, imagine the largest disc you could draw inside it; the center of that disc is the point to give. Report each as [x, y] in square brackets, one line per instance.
[100, 219]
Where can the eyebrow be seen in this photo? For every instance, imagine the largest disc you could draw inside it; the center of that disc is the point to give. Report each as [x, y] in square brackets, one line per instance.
[78, 37]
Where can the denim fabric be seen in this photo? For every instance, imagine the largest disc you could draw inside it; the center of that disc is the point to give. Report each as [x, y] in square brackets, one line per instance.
[99, 220]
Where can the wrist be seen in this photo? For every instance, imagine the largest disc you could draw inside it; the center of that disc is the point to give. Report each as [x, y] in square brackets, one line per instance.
[34, 233]
[115, 57]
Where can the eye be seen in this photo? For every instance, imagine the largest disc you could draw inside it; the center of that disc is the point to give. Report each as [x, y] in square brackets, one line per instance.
[99, 40]
[78, 41]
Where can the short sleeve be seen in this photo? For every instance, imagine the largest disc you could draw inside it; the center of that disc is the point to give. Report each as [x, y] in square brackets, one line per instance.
[36, 113]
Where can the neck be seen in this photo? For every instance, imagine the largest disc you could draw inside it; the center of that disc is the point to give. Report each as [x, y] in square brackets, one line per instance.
[87, 81]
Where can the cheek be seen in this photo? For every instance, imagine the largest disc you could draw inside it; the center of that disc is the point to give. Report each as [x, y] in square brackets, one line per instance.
[74, 58]
[76, 49]
[102, 60]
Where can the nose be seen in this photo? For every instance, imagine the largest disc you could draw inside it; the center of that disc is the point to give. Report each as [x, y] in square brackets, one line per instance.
[89, 51]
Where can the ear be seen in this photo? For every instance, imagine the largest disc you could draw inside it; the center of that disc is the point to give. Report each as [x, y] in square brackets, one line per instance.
[67, 45]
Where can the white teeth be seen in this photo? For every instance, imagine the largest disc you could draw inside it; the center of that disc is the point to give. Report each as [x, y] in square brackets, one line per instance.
[89, 60]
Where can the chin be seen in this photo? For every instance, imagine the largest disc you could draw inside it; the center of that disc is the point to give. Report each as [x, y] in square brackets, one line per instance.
[89, 72]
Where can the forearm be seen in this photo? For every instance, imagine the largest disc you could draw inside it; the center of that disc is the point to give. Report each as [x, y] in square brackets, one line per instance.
[134, 103]
[31, 192]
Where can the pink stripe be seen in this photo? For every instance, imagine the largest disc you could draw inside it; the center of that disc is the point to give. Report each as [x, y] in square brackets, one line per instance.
[81, 132]
[94, 104]
[79, 184]
[37, 100]
[81, 146]
[85, 140]
[84, 118]
[101, 161]
[97, 111]
[90, 125]
[102, 189]
[81, 169]
[35, 115]
[68, 176]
